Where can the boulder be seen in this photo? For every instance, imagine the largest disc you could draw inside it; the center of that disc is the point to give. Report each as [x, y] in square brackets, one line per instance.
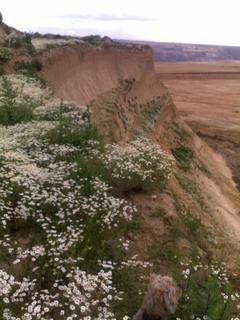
[161, 299]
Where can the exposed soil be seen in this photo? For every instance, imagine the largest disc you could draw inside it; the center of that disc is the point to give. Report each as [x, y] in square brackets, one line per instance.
[80, 74]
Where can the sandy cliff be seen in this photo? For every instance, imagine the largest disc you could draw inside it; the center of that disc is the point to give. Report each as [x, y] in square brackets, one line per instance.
[80, 74]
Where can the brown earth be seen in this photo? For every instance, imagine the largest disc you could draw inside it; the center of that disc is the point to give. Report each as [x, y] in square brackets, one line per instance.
[208, 98]
[80, 74]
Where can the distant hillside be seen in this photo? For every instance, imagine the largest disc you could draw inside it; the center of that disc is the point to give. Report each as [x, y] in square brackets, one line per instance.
[192, 52]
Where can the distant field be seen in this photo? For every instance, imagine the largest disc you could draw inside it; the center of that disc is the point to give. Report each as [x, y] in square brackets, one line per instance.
[208, 98]
[215, 100]
[213, 70]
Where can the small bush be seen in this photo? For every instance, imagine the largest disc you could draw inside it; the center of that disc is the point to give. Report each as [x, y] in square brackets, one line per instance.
[207, 293]
[93, 39]
[78, 136]
[23, 41]
[29, 69]
[12, 111]
[5, 54]
[140, 165]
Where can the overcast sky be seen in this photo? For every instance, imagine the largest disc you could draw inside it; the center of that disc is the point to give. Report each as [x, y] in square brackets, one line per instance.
[189, 21]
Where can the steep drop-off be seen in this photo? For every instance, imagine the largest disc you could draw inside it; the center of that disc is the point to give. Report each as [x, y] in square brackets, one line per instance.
[79, 74]
[123, 109]
[207, 97]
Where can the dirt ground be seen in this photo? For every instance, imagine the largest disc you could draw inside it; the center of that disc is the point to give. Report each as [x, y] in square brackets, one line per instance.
[208, 98]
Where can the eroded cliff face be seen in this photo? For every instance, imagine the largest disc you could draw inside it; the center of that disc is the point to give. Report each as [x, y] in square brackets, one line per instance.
[123, 109]
[80, 74]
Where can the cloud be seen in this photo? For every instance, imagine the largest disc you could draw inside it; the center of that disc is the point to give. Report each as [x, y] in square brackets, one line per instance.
[106, 17]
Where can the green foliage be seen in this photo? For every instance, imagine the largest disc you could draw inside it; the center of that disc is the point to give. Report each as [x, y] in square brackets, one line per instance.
[21, 41]
[128, 281]
[12, 111]
[5, 54]
[86, 171]
[159, 212]
[165, 251]
[95, 40]
[127, 83]
[29, 69]
[150, 113]
[192, 224]
[140, 165]
[184, 156]
[132, 226]
[206, 295]
[66, 132]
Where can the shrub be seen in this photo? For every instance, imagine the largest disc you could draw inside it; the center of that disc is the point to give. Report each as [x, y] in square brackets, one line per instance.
[139, 165]
[29, 69]
[21, 41]
[5, 54]
[207, 293]
[92, 39]
[12, 111]
[66, 133]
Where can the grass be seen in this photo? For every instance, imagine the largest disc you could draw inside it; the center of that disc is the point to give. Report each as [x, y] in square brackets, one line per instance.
[182, 134]
[184, 156]
[164, 251]
[64, 133]
[192, 189]
[129, 280]
[204, 168]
